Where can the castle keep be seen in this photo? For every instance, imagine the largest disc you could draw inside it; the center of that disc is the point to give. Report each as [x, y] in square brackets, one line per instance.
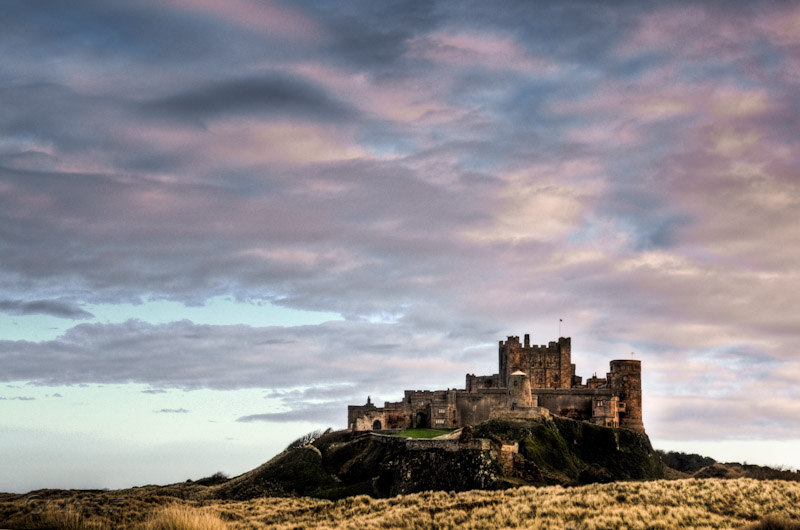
[532, 380]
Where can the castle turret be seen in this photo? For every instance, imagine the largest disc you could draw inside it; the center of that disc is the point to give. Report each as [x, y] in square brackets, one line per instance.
[519, 391]
[625, 381]
[567, 369]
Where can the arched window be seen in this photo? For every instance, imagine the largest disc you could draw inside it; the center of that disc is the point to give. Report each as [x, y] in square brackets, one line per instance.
[376, 425]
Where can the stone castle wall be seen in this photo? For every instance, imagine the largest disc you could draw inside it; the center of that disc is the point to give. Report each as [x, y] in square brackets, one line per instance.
[544, 374]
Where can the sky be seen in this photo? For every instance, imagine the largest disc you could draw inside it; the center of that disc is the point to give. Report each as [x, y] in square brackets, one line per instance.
[223, 222]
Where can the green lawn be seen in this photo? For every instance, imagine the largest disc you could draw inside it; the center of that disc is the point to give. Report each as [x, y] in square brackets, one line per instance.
[421, 433]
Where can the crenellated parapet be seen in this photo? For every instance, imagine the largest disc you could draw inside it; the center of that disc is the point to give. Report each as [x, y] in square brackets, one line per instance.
[549, 366]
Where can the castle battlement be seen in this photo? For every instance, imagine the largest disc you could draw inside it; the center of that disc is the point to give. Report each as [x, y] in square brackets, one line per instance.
[530, 378]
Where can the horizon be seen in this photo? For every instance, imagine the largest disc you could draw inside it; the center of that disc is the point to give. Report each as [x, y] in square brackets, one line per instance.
[222, 224]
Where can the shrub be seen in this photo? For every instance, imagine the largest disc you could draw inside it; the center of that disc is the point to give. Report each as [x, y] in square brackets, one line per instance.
[307, 439]
[685, 462]
[217, 478]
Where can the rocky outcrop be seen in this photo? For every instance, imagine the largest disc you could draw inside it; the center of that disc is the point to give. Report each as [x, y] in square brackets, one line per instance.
[496, 454]
[564, 451]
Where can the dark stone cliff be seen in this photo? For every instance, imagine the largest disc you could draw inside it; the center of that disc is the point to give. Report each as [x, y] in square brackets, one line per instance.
[499, 454]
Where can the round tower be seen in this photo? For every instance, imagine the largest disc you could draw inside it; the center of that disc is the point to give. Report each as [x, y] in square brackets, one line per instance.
[625, 380]
[519, 391]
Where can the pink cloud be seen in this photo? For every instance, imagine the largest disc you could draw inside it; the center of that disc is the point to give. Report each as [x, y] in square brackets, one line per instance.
[542, 202]
[690, 31]
[289, 143]
[263, 15]
[468, 50]
[401, 101]
[781, 26]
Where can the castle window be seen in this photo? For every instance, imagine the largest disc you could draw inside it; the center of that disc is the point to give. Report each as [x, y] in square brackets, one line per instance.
[439, 421]
[442, 411]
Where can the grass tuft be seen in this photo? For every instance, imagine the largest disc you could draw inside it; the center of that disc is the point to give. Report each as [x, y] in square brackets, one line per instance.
[177, 517]
[69, 519]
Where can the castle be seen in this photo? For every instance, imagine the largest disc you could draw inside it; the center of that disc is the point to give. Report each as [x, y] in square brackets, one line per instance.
[532, 380]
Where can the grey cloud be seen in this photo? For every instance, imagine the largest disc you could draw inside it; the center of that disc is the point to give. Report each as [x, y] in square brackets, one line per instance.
[316, 392]
[322, 404]
[272, 95]
[382, 217]
[734, 416]
[373, 37]
[55, 308]
[104, 33]
[154, 391]
[172, 411]
[184, 355]
[651, 221]
[50, 114]
[325, 414]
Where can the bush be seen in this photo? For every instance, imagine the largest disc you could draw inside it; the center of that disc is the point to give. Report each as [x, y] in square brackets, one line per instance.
[217, 478]
[685, 462]
[307, 439]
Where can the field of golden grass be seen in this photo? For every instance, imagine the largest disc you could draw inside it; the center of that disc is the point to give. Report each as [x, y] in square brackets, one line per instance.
[688, 503]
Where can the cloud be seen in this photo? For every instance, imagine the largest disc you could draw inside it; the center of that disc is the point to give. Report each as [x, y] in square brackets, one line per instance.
[314, 372]
[172, 411]
[55, 308]
[268, 17]
[321, 413]
[185, 355]
[494, 52]
[275, 95]
[440, 174]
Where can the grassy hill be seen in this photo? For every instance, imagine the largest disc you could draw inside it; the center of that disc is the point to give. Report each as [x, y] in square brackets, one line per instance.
[587, 477]
[513, 452]
[686, 503]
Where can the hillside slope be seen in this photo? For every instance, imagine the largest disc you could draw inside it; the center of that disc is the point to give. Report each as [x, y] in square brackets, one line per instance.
[497, 454]
[687, 503]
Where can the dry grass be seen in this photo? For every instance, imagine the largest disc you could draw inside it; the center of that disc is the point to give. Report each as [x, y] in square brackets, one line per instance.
[70, 519]
[688, 503]
[182, 517]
